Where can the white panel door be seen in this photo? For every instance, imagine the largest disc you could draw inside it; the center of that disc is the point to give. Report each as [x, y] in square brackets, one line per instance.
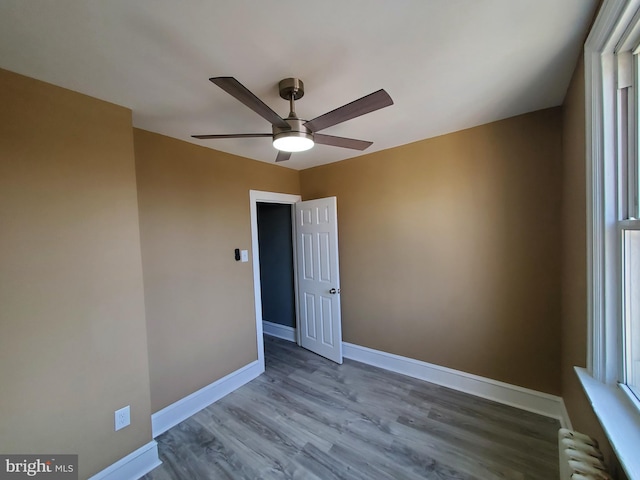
[318, 279]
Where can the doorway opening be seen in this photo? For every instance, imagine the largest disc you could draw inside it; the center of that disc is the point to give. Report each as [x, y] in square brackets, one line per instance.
[272, 205]
[275, 244]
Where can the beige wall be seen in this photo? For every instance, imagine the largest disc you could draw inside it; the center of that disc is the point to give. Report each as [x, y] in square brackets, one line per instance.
[72, 325]
[450, 248]
[194, 211]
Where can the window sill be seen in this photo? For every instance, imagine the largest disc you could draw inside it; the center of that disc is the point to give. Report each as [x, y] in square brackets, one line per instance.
[619, 419]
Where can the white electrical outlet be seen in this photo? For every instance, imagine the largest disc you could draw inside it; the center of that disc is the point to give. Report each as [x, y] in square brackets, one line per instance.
[244, 255]
[123, 417]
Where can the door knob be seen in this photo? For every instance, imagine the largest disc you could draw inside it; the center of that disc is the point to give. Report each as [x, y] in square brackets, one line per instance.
[333, 291]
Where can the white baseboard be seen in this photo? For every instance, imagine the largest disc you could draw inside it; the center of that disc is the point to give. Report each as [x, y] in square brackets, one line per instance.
[515, 396]
[175, 413]
[501, 392]
[280, 331]
[133, 466]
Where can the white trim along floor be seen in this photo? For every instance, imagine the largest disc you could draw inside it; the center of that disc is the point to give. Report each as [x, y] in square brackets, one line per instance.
[501, 392]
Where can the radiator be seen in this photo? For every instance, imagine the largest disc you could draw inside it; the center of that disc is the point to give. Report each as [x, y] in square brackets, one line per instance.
[580, 458]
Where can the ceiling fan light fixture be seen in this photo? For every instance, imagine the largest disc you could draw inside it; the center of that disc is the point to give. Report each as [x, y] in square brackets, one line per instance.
[296, 138]
[293, 141]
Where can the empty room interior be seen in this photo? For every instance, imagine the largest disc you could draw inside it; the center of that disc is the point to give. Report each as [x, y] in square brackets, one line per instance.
[408, 298]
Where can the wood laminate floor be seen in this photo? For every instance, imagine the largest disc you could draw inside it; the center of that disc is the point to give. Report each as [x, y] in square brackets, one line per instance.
[309, 418]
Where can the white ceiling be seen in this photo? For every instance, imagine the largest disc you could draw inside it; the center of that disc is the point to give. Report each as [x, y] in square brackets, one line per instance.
[448, 65]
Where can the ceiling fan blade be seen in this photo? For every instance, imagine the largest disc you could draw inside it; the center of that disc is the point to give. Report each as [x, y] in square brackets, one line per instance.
[234, 88]
[233, 135]
[372, 102]
[341, 142]
[282, 156]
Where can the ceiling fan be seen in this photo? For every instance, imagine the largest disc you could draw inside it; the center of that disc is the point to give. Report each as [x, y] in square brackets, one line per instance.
[292, 134]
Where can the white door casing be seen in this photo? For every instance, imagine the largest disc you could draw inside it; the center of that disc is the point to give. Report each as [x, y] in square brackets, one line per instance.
[318, 277]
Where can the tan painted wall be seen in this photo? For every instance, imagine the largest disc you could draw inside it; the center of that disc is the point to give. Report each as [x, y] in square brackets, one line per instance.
[194, 211]
[72, 325]
[450, 248]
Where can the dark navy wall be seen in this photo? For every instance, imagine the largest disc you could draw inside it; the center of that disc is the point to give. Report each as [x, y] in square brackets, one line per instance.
[276, 263]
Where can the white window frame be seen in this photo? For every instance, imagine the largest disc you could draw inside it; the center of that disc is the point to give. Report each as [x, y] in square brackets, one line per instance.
[605, 72]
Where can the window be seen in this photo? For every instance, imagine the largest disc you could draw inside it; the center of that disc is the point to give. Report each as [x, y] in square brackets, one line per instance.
[631, 299]
[612, 84]
[612, 72]
[627, 266]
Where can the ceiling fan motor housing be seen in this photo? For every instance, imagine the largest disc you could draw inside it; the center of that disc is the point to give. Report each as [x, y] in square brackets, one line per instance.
[297, 130]
[292, 89]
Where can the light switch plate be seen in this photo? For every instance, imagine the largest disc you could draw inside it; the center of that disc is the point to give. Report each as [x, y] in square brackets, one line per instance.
[244, 255]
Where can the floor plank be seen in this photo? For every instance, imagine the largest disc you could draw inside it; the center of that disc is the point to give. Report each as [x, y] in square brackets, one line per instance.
[309, 418]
